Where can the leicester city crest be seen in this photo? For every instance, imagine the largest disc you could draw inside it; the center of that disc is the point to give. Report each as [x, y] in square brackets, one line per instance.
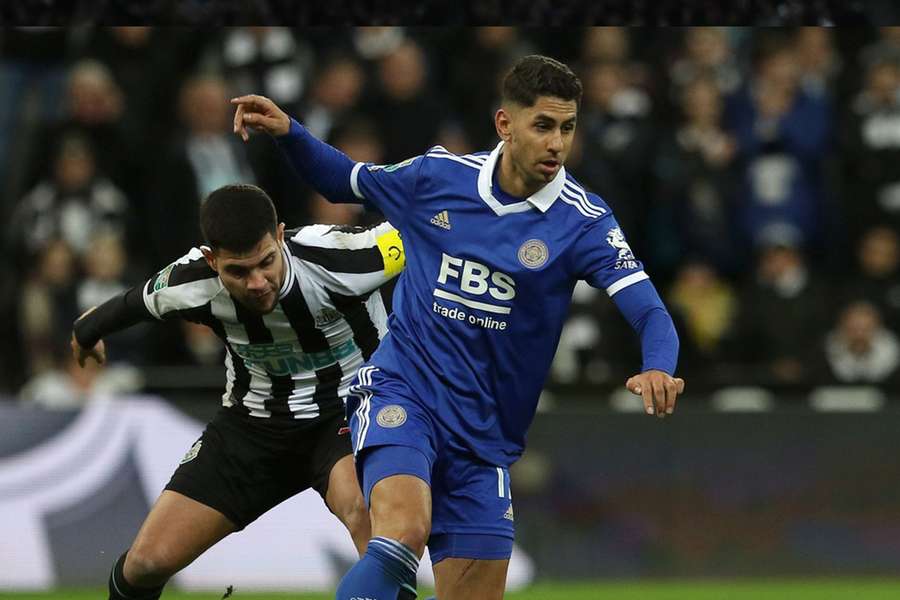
[533, 254]
[391, 416]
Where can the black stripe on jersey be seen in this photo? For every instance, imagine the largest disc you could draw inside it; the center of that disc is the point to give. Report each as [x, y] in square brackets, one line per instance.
[195, 270]
[240, 387]
[258, 333]
[312, 339]
[341, 260]
[365, 334]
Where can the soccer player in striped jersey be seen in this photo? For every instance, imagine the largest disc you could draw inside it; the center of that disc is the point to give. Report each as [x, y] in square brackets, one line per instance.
[299, 312]
[496, 242]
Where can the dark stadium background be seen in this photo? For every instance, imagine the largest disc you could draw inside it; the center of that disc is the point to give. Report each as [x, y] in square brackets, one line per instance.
[755, 172]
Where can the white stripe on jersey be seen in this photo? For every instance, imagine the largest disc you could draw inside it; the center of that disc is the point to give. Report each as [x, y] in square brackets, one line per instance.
[475, 165]
[625, 282]
[578, 194]
[300, 402]
[222, 307]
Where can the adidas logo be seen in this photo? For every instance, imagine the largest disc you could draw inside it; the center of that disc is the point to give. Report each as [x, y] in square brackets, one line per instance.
[509, 513]
[442, 220]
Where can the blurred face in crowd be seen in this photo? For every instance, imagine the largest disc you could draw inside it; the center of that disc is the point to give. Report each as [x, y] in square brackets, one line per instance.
[606, 44]
[253, 278]
[879, 252]
[402, 72]
[339, 85]
[780, 70]
[883, 82]
[602, 83]
[538, 141]
[778, 262]
[74, 168]
[204, 106]
[707, 46]
[495, 37]
[858, 325]
[93, 96]
[702, 102]
[105, 258]
[814, 48]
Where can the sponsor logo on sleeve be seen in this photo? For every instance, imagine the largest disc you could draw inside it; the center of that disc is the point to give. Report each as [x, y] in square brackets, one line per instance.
[624, 256]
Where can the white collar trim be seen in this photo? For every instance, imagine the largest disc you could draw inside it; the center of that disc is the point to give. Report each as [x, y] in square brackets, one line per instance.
[542, 200]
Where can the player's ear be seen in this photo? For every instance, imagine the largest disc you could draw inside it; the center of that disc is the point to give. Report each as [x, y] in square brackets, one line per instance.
[210, 257]
[503, 122]
[279, 233]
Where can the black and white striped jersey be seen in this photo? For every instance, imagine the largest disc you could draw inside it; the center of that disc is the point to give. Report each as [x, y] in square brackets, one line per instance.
[297, 361]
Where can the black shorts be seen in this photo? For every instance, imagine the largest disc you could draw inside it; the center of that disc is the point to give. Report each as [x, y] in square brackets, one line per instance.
[243, 466]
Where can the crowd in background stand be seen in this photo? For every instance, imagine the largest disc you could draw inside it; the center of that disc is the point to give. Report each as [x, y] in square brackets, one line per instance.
[754, 172]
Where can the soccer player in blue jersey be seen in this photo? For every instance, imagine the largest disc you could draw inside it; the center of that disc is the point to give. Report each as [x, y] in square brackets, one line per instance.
[495, 242]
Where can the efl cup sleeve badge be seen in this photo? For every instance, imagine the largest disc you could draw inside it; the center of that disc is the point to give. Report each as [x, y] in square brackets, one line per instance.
[192, 453]
[533, 254]
[391, 416]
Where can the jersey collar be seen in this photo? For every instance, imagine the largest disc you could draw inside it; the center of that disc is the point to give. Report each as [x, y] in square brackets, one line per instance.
[542, 200]
[288, 271]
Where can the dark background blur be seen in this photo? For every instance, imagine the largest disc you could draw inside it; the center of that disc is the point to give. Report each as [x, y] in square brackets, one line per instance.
[754, 172]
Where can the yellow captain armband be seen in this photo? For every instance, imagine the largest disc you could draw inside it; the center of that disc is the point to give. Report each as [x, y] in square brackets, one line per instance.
[391, 247]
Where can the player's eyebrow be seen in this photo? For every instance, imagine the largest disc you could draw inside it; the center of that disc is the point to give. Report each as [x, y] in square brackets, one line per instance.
[236, 269]
[541, 117]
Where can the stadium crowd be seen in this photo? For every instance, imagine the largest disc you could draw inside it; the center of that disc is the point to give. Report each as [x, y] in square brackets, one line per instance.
[755, 172]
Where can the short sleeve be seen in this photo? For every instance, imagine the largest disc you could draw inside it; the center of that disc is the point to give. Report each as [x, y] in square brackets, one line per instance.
[185, 284]
[389, 188]
[604, 258]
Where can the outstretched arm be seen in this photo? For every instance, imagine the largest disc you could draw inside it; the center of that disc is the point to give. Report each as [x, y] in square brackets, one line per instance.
[644, 310]
[118, 313]
[324, 167]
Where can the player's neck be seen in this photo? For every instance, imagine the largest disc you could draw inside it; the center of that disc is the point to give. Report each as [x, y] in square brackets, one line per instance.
[513, 181]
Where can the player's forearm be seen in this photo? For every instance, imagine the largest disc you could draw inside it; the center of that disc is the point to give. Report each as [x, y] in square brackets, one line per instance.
[115, 314]
[324, 167]
[644, 310]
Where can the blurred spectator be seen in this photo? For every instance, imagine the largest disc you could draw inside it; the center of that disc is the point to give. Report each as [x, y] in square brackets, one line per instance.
[335, 92]
[707, 53]
[404, 97]
[617, 137]
[265, 60]
[782, 312]
[47, 307]
[32, 66]
[149, 65]
[860, 349]
[74, 204]
[476, 92]
[878, 280]
[359, 140]
[817, 60]
[375, 43]
[783, 137]
[697, 181]
[871, 143]
[204, 156]
[707, 308]
[93, 110]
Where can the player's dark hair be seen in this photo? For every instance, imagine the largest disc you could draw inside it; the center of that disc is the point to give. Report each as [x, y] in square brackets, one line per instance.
[236, 217]
[534, 76]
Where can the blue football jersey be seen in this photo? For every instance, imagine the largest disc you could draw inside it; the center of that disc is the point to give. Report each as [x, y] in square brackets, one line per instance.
[487, 287]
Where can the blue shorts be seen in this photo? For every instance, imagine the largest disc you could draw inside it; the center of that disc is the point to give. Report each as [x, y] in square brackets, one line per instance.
[472, 515]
